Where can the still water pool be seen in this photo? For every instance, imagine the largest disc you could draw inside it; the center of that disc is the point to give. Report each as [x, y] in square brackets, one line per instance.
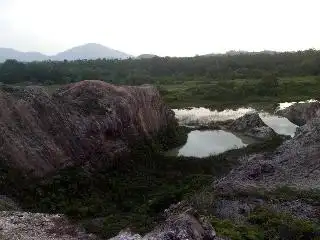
[210, 142]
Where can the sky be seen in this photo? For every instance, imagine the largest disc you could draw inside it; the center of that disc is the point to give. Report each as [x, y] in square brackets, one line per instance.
[162, 27]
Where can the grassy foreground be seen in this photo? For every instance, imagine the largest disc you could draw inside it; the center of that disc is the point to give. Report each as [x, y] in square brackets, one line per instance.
[133, 194]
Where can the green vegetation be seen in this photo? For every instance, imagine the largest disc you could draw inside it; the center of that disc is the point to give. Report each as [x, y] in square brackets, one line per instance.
[275, 225]
[214, 81]
[290, 193]
[133, 193]
[165, 70]
[235, 93]
[265, 223]
[235, 231]
[280, 194]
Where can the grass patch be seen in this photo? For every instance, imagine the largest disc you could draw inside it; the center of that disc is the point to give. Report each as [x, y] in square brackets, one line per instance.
[282, 226]
[227, 228]
[280, 194]
[264, 223]
[240, 92]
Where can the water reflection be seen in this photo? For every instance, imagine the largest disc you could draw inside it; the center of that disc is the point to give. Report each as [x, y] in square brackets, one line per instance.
[210, 142]
[280, 125]
[284, 105]
[198, 116]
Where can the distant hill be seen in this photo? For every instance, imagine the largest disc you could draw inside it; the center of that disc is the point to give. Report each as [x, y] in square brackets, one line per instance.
[8, 53]
[90, 51]
[94, 51]
[87, 51]
[143, 56]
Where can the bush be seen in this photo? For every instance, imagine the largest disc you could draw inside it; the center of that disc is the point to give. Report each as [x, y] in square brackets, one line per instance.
[226, 228]
[266, 224]
[281, 225]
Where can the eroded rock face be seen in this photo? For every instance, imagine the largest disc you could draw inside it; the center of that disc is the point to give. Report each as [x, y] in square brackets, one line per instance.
[38, 226]
[85, 123]
[301, 113]
[295, 163]
[178, 227]
[251, 125]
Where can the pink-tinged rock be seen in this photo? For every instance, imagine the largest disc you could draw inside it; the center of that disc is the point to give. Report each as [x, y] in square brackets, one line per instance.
[86, 123]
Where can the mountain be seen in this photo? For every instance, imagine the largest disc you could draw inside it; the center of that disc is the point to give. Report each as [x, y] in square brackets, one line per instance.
[90, 51]
[87, 51]
[8, 53]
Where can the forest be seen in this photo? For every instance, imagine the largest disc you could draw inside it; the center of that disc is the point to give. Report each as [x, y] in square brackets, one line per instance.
[201, 80]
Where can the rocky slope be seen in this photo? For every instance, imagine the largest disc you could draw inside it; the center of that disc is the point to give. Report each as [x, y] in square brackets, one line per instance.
[38, 226]
[301, 113]
[179, 227]
[273, 194]
[296, 163]
[89, 123]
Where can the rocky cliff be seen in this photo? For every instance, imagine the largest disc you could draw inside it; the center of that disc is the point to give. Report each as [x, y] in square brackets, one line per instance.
[301, 113]
[86, 123]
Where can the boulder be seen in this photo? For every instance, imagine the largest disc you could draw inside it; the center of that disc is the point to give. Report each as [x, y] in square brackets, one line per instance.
[39, 226]
[86, 123]
[301, 113]
[251, 125]
[127, 235]
[183, 226]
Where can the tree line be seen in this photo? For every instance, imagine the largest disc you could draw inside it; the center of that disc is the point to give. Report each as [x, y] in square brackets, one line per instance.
[166, 70]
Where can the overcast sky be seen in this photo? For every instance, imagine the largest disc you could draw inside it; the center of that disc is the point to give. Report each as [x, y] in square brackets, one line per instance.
[163, 27]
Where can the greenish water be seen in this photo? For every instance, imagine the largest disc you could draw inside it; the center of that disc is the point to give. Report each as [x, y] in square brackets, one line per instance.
[210, 142]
